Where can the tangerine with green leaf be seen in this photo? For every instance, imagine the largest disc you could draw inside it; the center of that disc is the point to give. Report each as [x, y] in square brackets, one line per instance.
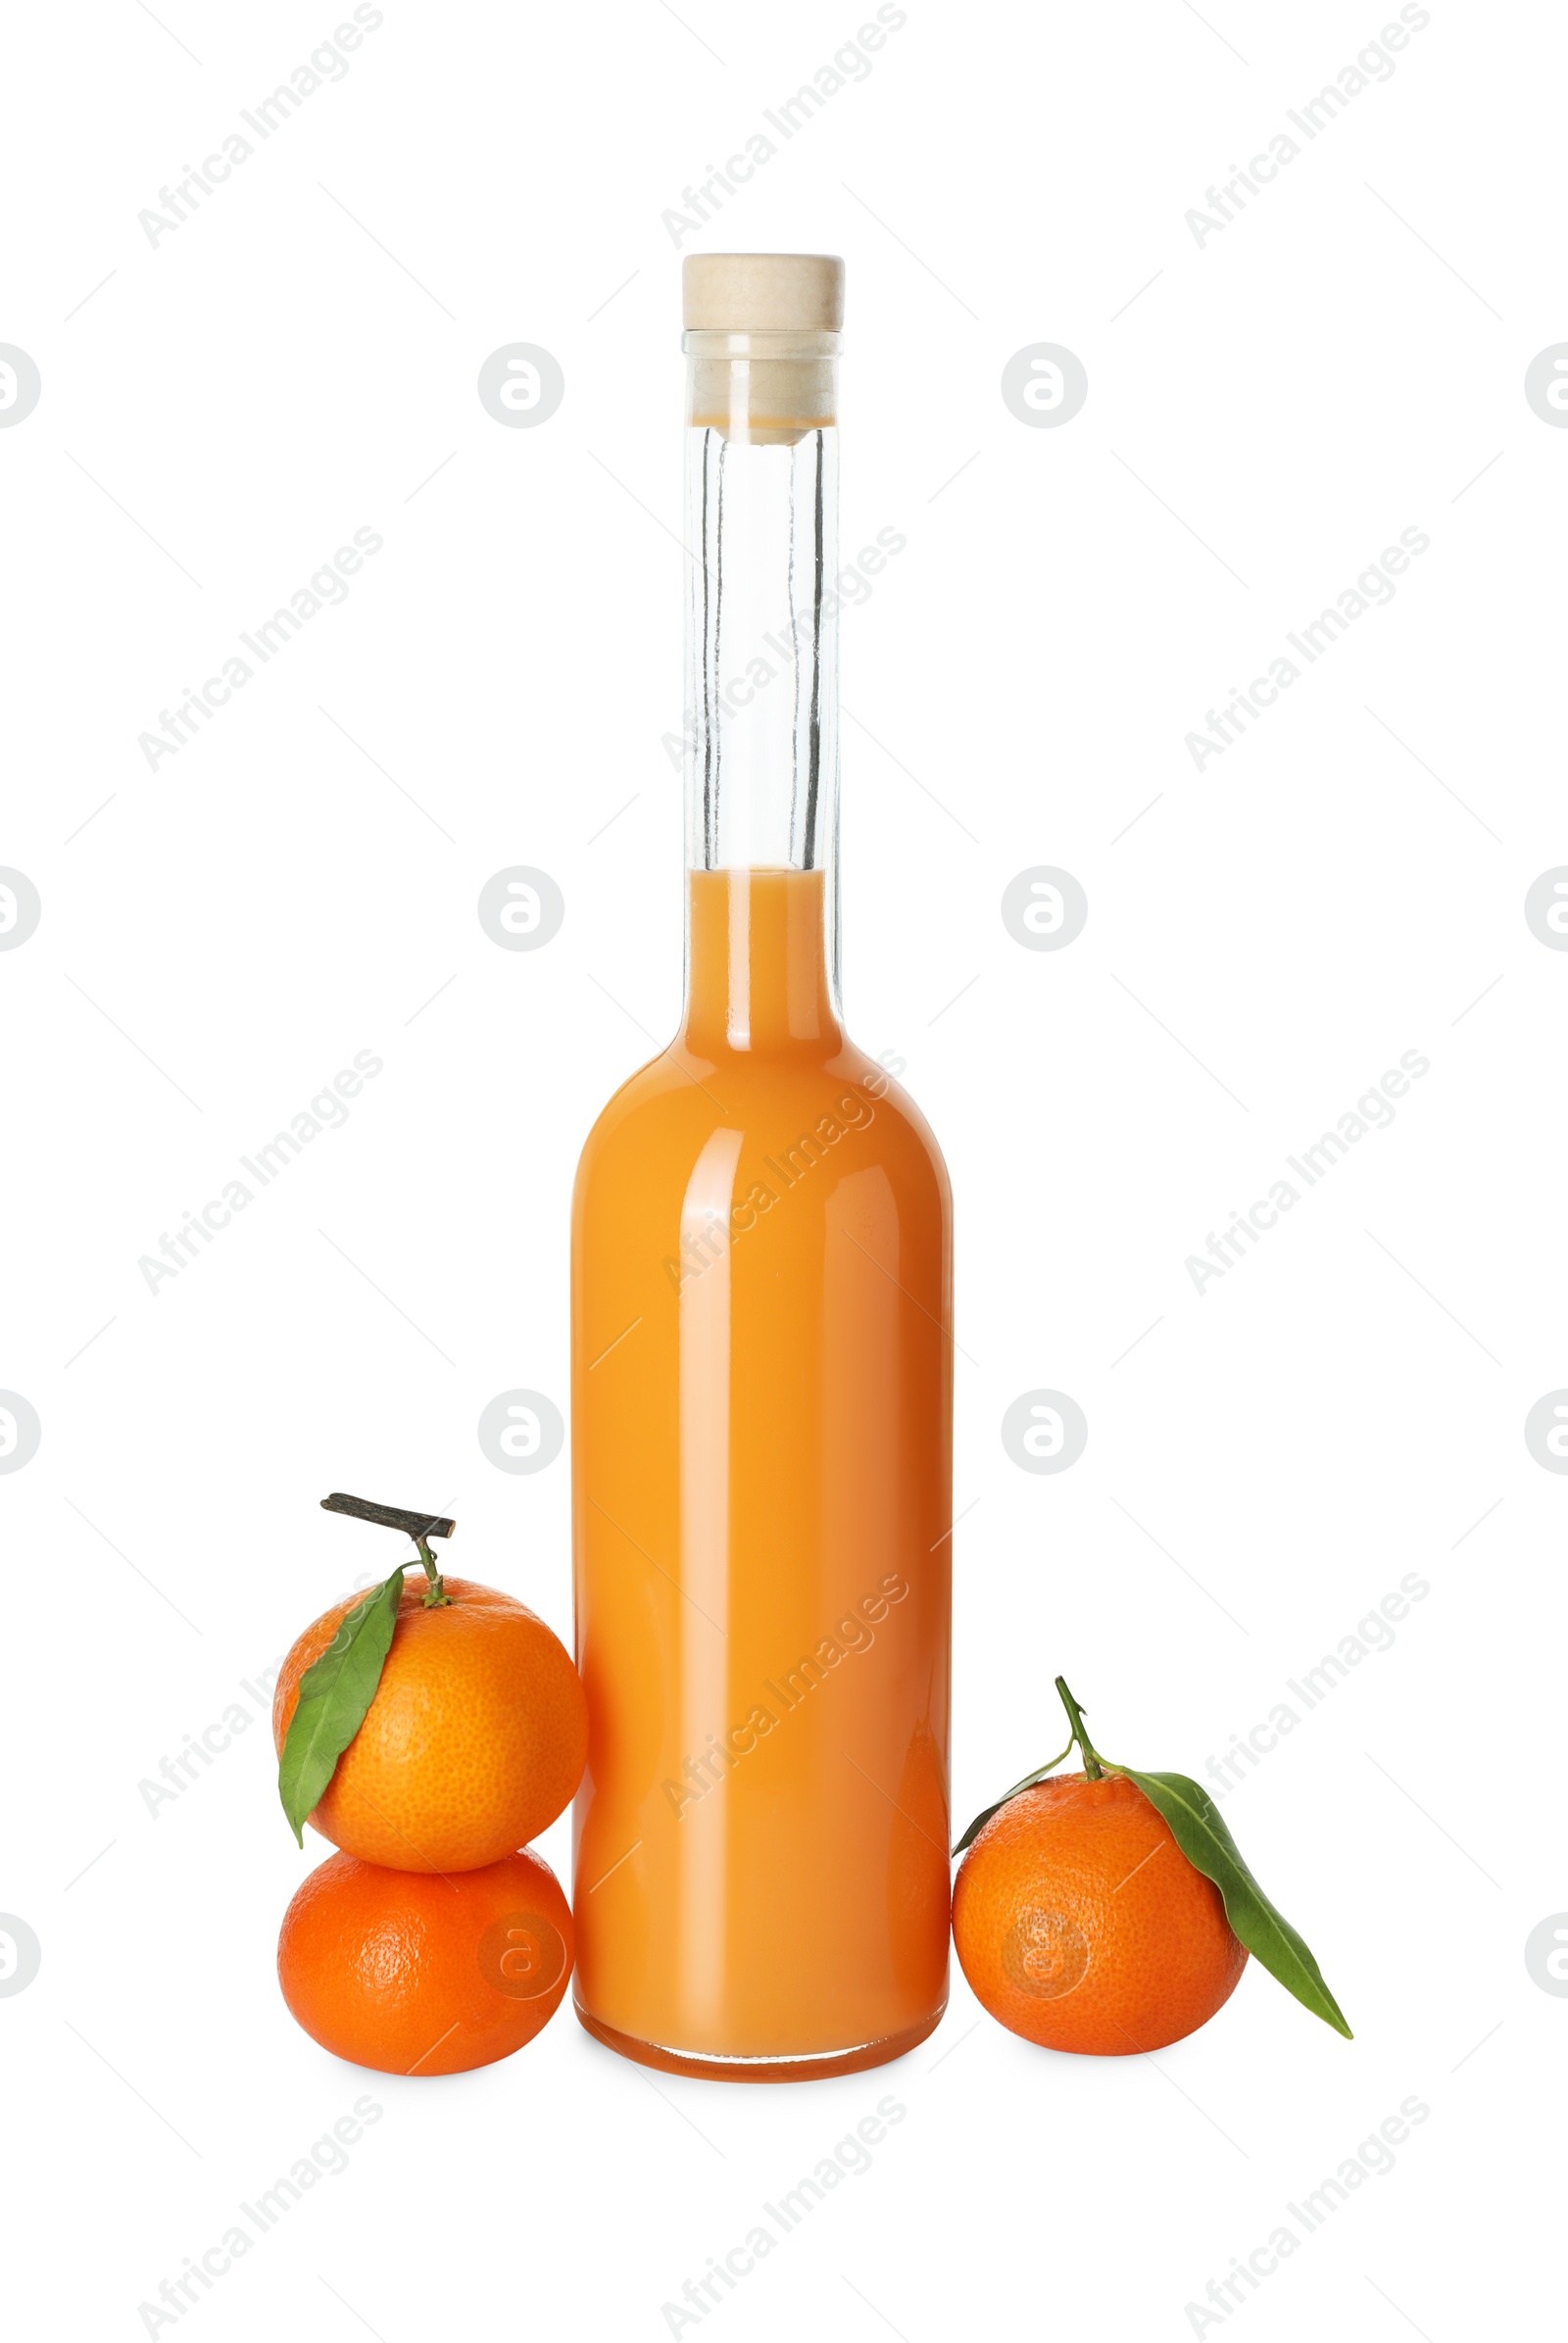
[1109, 1911]
[1081, 1926]
[432, 1726]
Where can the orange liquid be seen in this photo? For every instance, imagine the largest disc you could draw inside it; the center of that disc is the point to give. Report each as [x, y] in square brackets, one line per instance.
[762, 1404]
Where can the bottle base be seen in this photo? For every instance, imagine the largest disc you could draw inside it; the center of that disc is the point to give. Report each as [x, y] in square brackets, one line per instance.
[811, 2067]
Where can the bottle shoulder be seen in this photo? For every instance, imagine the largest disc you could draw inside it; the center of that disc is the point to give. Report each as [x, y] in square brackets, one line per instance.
[896, 1102]
[665, 1114]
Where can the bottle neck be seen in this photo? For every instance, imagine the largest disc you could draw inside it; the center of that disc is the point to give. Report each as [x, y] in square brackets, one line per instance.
[762, 654]
[757, 963]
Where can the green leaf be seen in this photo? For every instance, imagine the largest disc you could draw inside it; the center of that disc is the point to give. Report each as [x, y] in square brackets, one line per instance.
[335, 1691]
[1202, 1838]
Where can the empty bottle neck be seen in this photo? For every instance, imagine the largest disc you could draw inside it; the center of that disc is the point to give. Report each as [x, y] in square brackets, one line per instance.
[762, 649]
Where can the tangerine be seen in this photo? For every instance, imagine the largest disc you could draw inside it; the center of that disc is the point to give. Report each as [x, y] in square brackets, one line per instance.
[1081, 1925]
[475, 1740]
[412, 1974]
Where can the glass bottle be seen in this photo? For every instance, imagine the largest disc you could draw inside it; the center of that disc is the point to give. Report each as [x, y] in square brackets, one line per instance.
[762, 1361]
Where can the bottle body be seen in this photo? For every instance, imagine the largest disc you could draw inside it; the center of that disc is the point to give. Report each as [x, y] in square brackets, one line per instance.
[761, 1439]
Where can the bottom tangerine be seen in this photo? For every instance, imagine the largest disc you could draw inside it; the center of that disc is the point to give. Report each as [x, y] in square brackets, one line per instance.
[417, 1973]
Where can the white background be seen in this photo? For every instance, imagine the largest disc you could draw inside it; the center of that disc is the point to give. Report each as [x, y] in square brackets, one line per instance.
[1273, 405]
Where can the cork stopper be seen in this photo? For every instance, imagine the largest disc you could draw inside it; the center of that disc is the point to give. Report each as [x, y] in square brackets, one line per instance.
[761, 292]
